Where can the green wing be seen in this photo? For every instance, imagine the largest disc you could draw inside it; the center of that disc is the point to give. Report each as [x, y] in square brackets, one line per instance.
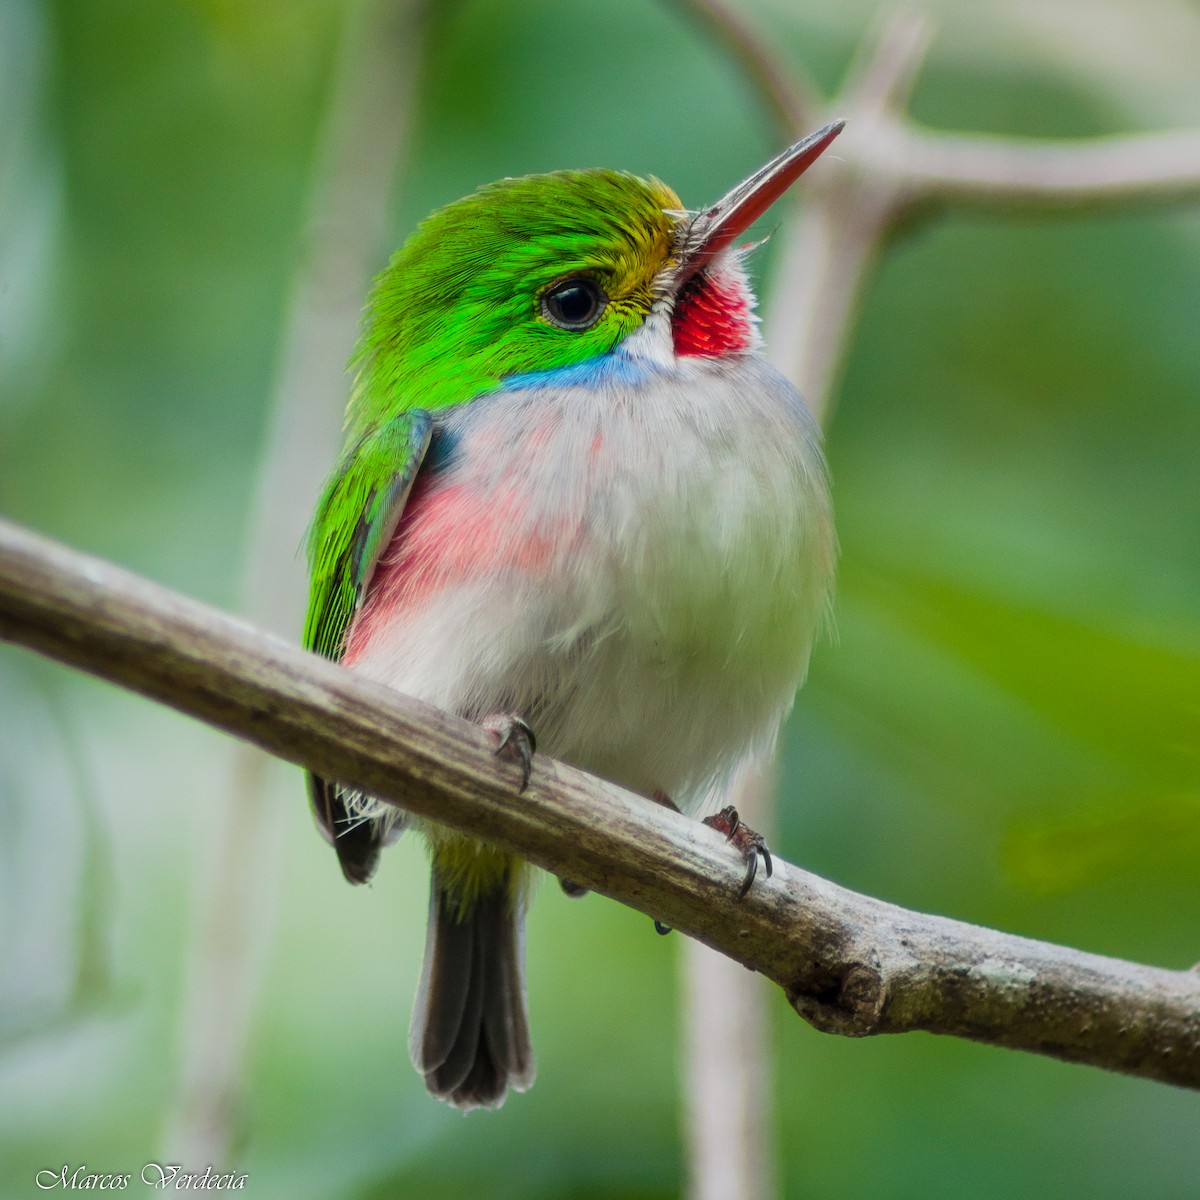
[356, 516]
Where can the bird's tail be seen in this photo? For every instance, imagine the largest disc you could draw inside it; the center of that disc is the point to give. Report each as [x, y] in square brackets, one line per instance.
[470, 1034]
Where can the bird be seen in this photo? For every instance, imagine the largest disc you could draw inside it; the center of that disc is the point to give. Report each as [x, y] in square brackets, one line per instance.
[576, 505]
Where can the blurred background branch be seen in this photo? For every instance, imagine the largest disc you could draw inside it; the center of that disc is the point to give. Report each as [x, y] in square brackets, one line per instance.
[888, 171]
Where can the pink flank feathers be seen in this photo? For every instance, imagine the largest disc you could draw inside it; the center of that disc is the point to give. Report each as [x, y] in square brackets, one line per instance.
[450, 533]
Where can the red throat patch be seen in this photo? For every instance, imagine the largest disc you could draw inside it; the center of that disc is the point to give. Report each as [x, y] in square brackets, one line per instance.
[712, 317]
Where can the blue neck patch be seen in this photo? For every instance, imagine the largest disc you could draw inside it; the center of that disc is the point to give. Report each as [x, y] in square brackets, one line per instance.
[605, 370]
[615, 369]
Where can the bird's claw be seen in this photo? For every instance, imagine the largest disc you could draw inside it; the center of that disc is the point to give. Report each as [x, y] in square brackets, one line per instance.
[751, 844]
[572, 889]
[517, 743]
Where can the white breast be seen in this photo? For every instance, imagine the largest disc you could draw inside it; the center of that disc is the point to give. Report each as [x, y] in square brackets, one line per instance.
[685, 556]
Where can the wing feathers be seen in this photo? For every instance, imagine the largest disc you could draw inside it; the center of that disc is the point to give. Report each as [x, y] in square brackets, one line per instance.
[357, 515]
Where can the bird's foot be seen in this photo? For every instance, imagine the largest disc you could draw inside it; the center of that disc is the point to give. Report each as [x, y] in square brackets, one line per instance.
[572, 889]
[751, 844]
[517, 743]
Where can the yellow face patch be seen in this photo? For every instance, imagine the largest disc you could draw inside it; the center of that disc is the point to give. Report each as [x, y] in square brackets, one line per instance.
[648, 247]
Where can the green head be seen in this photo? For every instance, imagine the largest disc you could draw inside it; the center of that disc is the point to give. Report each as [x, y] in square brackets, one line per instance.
[471, 297]
[547, 271]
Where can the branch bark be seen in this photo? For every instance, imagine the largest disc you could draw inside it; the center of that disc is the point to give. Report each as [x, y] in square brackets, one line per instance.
[848, 963]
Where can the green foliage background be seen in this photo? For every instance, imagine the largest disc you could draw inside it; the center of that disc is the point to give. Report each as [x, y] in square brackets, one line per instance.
[1006, 730]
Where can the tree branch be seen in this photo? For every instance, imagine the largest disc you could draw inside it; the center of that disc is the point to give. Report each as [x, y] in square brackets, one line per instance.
[1042, 174]
[848, 963]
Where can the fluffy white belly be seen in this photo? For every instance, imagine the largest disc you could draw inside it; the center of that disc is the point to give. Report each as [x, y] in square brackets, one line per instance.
[638, 563]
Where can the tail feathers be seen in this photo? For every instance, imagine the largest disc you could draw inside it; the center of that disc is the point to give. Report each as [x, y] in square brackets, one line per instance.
[470, 1035]
[357, 826]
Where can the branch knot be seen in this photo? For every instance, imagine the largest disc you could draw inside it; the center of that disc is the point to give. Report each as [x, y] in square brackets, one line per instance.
[851, 1004]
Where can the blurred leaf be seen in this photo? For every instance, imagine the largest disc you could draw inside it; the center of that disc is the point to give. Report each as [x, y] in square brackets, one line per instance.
[1092, 846]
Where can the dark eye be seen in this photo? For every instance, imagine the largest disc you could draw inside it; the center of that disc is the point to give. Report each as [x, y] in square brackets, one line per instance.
[575, 303]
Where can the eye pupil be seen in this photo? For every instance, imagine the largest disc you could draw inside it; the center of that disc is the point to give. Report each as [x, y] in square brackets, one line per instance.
[574, 303]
